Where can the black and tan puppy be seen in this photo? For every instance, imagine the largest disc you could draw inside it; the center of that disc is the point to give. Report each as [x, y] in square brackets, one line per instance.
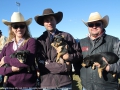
[102, 58]
[21, 55]
[59, 41]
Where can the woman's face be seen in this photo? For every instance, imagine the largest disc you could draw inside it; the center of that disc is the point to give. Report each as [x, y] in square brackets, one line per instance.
[19, 29]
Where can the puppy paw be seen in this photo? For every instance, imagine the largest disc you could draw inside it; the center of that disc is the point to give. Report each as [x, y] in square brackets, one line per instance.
[21, 61]
[114, 75]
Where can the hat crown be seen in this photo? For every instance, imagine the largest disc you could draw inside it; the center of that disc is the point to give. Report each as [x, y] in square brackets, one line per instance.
[48, 11]
[94, 16]
[17, 17]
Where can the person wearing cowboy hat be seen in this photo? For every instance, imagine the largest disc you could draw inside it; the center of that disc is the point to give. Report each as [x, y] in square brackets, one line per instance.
[2, 40]
[98, 41]
[2, 43]
[19, 38]
[54, 75]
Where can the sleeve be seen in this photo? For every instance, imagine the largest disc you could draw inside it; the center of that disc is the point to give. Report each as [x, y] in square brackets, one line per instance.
[30, 60]
[14, 62]
[2, 54]
[74, 51]
[116, 66]
[5, 71]
[54, 67]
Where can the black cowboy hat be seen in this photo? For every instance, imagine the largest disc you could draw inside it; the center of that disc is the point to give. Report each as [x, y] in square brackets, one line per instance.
[48, 12]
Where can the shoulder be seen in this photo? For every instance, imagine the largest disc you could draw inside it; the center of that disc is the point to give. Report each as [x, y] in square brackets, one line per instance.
[43, 36]
[112, 38]
[67, 35]
[83, 39]
[9, 44]
[31, 40]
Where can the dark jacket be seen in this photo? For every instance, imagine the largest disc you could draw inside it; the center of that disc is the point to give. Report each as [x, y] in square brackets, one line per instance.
[21, 78]
[54, 74]
[89, 77]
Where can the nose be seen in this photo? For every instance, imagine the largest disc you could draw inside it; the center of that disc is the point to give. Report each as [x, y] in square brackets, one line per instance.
[18, 29]
[94, 26]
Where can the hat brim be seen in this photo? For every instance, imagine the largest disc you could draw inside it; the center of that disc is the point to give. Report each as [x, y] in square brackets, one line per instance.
[28, 22]
[40, 19]
[105, 20]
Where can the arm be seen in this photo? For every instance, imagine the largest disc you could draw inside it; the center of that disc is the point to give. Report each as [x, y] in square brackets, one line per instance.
[3, 53]
[75, 51]
[14, 62]
[8, 70]
[54, 67]
[116, 66]
[4, 71]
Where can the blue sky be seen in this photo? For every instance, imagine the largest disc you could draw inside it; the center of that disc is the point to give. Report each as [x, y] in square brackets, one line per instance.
[73, 12]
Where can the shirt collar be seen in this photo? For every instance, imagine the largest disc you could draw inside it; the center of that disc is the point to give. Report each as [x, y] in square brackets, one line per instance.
[17, 45]
[53, 33]
[97, 36]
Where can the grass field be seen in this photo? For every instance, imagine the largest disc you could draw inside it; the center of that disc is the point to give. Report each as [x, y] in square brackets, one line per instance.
[76, 83]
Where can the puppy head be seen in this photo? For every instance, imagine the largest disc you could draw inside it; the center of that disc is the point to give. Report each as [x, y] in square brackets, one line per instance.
[58, 40]
[86, 61]
[22, 55]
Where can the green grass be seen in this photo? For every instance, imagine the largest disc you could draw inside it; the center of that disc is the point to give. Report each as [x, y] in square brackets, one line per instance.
[76, 84]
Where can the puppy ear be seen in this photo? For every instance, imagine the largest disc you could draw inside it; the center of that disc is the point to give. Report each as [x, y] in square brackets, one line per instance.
[14, 55]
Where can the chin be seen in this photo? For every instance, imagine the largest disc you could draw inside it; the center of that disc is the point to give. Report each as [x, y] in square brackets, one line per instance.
[51, 30]
[20, 36]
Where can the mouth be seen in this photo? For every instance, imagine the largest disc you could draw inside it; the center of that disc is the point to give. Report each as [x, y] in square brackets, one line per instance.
[83, 64]
[56, 44]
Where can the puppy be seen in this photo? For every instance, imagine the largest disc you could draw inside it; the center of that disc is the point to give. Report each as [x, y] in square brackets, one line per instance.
[59, 41]
[100, 59]
[21, 56]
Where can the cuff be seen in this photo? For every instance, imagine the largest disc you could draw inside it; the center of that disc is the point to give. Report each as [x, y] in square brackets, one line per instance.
[110, 69]
[8, 70]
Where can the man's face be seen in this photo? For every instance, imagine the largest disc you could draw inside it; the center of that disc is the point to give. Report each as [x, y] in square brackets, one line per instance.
[95, 28]
[50, 23]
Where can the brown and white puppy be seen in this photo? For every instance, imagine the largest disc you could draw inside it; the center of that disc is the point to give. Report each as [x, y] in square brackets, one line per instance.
[59, 42]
